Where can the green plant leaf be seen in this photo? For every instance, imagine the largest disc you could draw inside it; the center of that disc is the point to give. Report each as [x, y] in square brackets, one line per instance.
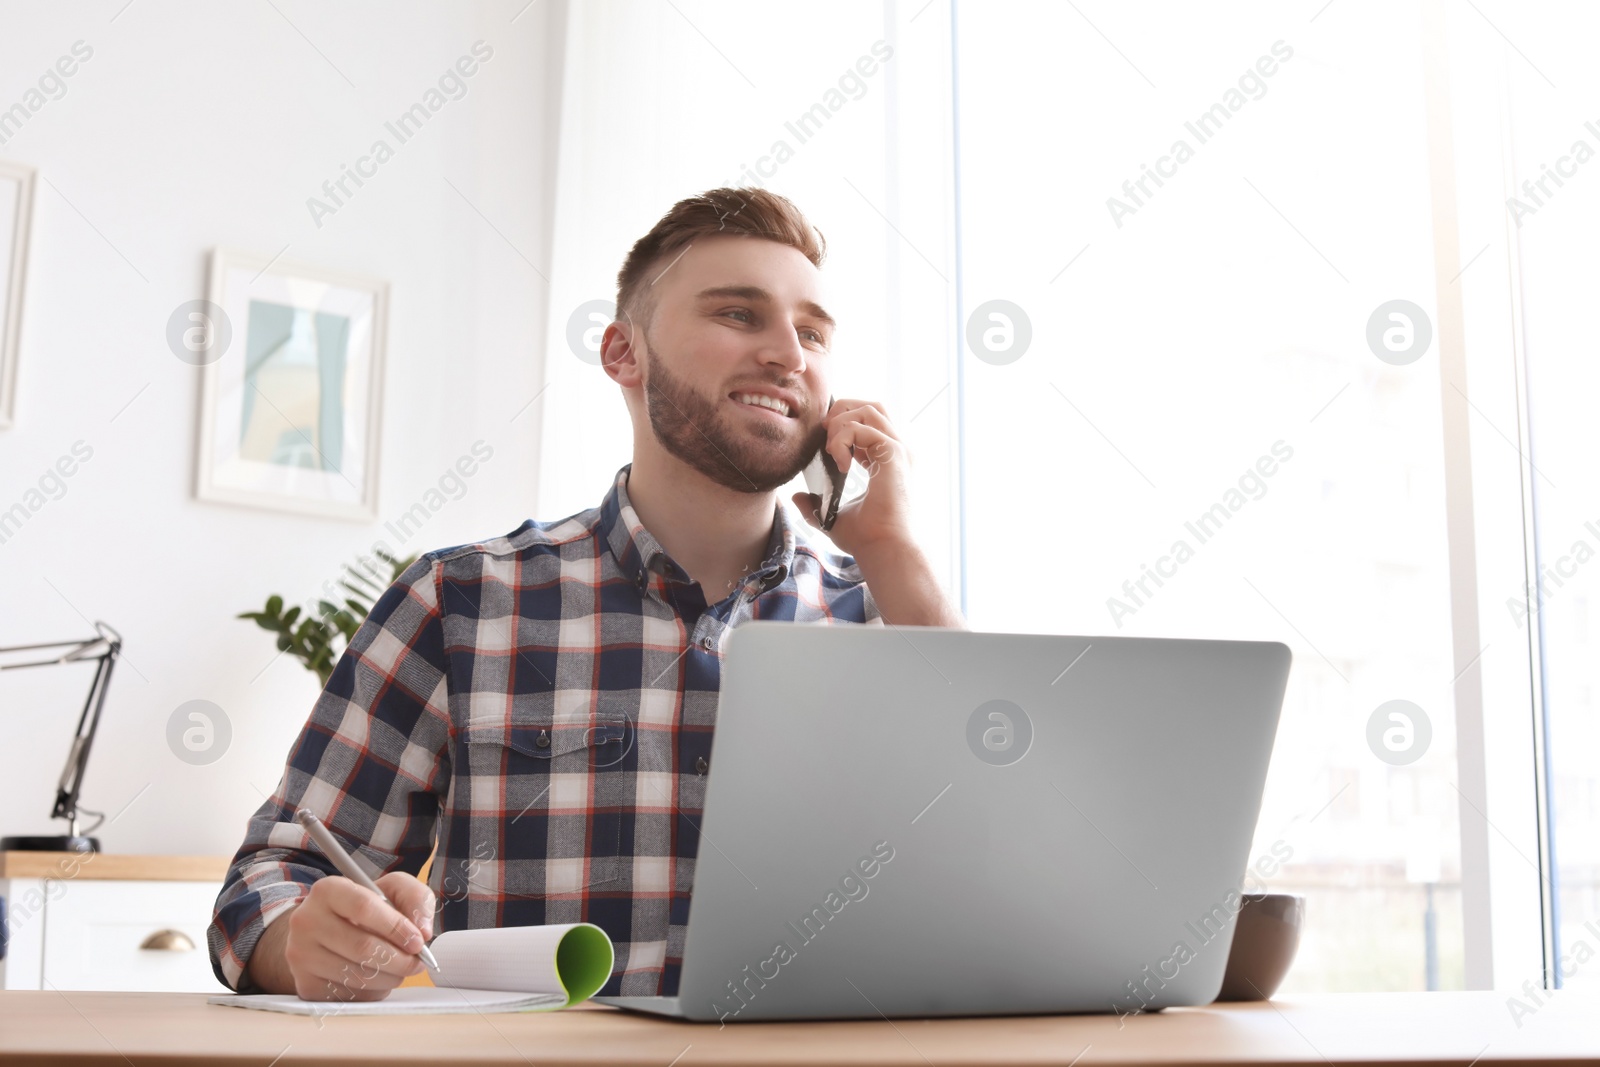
[317, 636]
[364, 578]
[354, 589]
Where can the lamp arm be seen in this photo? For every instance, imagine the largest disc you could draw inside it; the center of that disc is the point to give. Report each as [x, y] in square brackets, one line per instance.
[78, 651]
[71, 782]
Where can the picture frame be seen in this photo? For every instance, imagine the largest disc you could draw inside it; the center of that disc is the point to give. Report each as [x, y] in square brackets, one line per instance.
[16, 219]
[292, 389]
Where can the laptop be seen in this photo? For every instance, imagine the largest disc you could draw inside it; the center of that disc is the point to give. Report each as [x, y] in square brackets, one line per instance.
[915, 821]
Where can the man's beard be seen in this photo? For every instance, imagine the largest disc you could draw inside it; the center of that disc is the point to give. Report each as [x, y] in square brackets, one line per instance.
[689, 426]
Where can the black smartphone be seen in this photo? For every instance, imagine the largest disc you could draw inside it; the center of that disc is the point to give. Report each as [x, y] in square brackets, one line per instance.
[825, 480]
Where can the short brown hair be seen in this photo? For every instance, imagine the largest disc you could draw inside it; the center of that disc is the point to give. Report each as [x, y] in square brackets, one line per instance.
[751, 212]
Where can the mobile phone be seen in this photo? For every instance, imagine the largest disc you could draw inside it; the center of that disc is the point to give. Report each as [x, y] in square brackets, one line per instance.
[826, 481]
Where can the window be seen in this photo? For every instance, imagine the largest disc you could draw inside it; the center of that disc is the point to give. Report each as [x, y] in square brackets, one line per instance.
[1198, 440]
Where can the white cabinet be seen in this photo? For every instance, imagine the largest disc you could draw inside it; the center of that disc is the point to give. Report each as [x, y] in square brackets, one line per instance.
[130, 936]
[89, 933]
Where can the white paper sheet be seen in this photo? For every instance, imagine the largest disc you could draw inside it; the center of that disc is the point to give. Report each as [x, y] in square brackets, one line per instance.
[411, 1000]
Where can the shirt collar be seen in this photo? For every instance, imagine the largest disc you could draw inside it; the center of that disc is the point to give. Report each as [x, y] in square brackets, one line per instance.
[638, 553]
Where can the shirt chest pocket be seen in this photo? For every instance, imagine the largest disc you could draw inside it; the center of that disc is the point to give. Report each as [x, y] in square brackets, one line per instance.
[542, 746]
[560, 790]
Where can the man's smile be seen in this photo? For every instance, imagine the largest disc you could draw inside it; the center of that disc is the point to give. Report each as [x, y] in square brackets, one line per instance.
[763, 406]
[775, 399]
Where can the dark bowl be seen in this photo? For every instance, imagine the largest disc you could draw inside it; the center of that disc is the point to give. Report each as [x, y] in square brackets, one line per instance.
[1265, 937]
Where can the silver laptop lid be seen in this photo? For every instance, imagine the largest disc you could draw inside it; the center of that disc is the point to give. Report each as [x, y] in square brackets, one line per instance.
[914, 821]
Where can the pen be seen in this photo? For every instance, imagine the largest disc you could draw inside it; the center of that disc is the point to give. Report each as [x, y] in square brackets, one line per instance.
[341, 859]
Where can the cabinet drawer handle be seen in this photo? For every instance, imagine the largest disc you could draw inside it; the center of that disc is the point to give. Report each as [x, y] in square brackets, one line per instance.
[168, 941]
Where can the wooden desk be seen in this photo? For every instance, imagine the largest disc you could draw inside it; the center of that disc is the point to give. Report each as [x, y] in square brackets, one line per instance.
[1367, 1028]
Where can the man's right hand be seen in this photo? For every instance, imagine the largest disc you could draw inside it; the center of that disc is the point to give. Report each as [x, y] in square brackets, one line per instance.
[343, 942]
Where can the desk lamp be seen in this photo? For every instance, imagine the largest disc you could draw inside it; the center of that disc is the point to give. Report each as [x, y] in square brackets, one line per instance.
[102, 649]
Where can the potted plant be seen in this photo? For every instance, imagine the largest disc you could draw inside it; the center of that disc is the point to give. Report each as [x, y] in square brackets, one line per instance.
[311, 639]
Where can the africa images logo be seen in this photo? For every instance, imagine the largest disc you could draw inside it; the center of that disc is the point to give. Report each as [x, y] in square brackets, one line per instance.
[999, 732]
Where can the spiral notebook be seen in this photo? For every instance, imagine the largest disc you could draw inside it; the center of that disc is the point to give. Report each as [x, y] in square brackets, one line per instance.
[515, 968]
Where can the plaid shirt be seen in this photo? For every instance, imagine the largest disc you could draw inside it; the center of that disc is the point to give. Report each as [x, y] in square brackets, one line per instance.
[542, 706]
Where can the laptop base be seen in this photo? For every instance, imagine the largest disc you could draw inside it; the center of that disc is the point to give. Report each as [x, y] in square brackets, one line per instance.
[652, 1005]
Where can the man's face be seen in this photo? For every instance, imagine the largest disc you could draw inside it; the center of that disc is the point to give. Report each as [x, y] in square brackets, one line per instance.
[736, 319]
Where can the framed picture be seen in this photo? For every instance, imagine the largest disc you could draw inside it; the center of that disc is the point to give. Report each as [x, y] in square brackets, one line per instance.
[16, 210]
[290, 409]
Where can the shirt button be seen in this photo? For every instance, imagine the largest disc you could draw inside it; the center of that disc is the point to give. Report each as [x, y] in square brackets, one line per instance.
[708, 642]
[700, 765]
[543, 740]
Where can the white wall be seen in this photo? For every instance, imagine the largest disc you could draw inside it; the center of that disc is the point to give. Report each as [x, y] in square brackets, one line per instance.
[195, 125]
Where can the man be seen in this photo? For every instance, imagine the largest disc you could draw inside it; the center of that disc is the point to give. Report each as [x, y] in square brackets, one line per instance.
[540, 706]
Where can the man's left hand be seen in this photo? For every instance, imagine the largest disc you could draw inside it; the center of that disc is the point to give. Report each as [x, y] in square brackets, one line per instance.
[860, 431]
